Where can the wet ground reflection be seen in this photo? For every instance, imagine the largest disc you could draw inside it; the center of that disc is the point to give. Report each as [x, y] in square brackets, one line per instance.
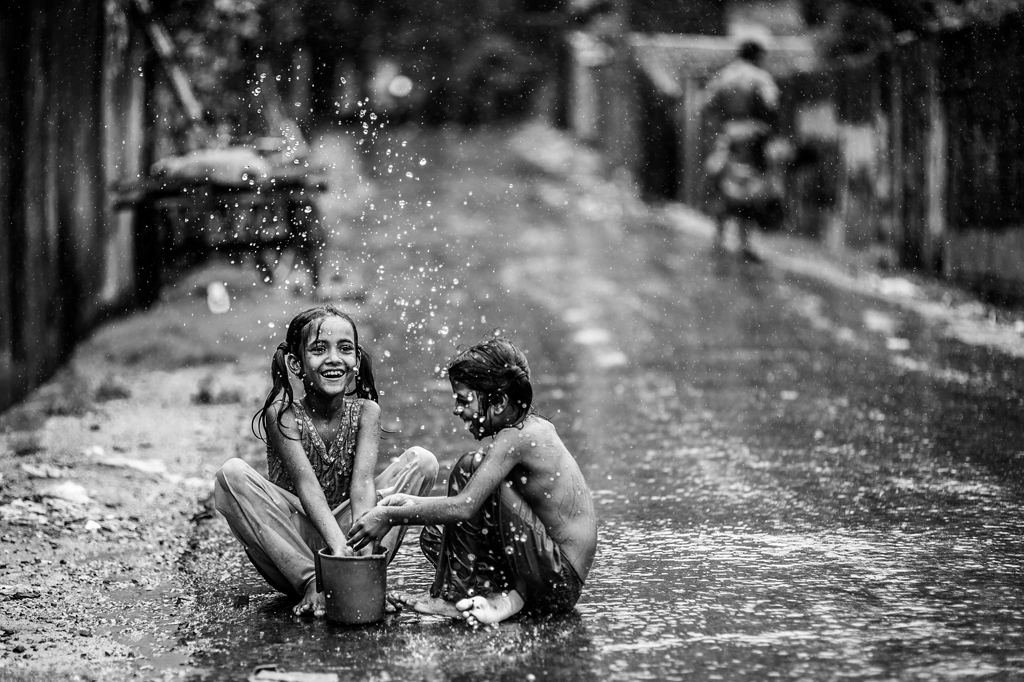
[244, 625]
[783, 493]
[674, 600]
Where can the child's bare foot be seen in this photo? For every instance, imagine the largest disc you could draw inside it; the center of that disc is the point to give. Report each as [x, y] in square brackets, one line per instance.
[493, 608]
[311, 602]
[432, 606]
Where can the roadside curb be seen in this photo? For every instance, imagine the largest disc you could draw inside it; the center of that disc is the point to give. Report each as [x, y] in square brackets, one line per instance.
[964, 315]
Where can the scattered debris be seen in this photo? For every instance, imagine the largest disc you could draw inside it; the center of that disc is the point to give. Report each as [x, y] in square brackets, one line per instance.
[18, 592]
[896, 286]
[24, 443]
[213, 390]
[42, 471]
[94, 451]
[271, 673]
[112, 388]
[883, 323]
[72, 492]
[146, 466]
[25, 513]
[898, 344]
[218, 300]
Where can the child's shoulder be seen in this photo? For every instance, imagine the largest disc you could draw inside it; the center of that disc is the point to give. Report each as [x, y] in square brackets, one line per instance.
[532, 427]
[281, 420]
[283, 412]
[367, 407]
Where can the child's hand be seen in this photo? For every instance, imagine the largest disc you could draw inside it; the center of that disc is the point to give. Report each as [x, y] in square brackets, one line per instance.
[342, 550]
[371, 526]
[396, 500]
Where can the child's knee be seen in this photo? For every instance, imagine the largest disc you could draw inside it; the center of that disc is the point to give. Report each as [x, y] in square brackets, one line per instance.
[231, 474]
[423, 460]
[466, 465]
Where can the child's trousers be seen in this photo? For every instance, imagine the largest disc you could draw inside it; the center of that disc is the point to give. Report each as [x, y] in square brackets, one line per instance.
[504, 547]
[275, 532]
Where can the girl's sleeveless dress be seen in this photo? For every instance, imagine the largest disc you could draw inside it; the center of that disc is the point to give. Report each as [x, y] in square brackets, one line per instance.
[266, 514]
[331, 464]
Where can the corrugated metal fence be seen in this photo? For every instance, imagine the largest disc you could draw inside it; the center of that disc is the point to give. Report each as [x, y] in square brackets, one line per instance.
[71, 124]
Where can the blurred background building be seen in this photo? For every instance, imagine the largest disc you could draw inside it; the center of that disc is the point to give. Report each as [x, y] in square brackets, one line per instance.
[905, 117]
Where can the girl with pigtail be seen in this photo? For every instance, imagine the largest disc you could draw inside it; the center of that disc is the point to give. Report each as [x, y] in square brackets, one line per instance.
[321, 458]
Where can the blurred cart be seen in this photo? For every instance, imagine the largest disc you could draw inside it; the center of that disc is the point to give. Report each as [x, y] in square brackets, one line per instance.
[181, 220]
[252, 202]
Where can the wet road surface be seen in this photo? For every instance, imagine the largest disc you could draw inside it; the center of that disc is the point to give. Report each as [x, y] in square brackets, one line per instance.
[793, 482]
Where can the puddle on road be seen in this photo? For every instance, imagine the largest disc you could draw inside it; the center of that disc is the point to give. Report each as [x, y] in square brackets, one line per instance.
[775, 502]
[670, 600]
[148, 622]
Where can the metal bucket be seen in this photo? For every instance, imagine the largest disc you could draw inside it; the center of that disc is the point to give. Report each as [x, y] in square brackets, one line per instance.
[353, 587]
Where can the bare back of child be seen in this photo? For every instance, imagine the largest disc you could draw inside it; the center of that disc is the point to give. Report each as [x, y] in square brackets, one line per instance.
[517, 529]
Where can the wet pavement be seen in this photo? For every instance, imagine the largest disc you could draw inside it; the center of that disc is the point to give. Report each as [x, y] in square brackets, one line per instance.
[795, 480]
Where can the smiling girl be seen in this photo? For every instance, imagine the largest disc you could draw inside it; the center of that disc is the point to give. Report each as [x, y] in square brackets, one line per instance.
[321, 458]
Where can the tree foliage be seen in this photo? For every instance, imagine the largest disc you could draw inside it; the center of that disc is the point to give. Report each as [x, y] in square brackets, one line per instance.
[447, 47]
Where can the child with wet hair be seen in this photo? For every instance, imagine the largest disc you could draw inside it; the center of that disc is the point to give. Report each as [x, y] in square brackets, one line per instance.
[321, 458]
[517, 531]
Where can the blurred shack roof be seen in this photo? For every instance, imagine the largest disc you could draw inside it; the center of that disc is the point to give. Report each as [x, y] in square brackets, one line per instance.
[669, 59]
[934, 16]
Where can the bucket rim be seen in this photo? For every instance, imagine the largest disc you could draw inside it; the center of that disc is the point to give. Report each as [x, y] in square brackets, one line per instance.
[334, 557]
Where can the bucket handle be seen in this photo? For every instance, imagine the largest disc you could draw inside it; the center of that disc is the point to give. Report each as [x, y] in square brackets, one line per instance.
[318, 571]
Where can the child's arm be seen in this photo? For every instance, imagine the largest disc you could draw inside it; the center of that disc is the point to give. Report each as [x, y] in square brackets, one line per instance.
[497, 462]
[362, 492]
[284, 438]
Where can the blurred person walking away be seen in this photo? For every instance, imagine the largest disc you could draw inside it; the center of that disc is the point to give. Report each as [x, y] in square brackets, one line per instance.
[742, 101]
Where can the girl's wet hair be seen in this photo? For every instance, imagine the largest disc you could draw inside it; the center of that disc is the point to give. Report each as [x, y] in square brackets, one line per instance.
[495, 368]
[303, 327]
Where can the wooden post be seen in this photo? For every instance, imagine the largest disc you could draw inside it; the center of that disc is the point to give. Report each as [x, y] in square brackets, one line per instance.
[692, 142]
[897, 158]
[936, 164]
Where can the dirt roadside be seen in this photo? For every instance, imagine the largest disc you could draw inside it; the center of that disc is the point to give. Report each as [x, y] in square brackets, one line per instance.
[105, 468]
[962, 314]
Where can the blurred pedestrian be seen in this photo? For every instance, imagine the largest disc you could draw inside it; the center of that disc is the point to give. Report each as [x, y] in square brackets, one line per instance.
[742, 102]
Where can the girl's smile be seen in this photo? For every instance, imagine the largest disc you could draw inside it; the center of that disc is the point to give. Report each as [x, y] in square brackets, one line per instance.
[329, 358]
